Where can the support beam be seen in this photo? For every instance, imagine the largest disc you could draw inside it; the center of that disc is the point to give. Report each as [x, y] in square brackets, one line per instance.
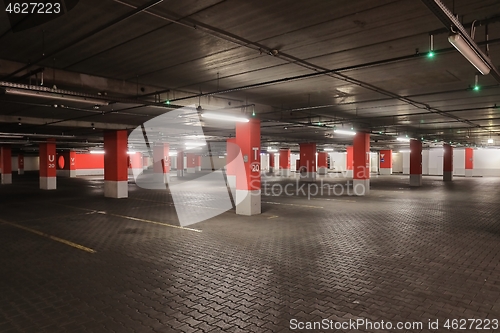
[6, 160]
[469, 162]
[307, 161]
[349, 161]
[284, 162]
[48, 165]
[361, 164]
[415, 163]
[447, 163]
[20, 164]
[385, 159]
[322, 163]
[232, 151]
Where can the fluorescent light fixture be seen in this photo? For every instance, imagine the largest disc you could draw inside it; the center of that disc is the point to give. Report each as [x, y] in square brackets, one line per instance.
[57, 96]
[405, 151]
[272, 150]
[345, 132]
[403, 139]
[490, 140]
[97, 151]
[328, 149]
[463, 47]
[172, 153]
[224, 117]
[131, 152]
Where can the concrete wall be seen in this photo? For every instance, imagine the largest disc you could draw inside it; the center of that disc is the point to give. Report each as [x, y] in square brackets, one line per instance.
[486, 162]
[397, 162]
[31, 163]
[338, 161]
[405, 156]
[459, 162]
[219, 162]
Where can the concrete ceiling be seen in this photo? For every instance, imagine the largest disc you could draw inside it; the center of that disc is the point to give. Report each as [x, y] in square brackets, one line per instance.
[304, 67]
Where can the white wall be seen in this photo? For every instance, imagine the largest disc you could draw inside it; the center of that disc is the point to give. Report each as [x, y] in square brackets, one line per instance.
[31, 163]
[397, 162]
[264, 162]
[374, 162]
[406, 163]
[338, 161]
[486, 162]
[459, 162]
[293, 162]
[436, 161]
[219, 162]
[425, 162]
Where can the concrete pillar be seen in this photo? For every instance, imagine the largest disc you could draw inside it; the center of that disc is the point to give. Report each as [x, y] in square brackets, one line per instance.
[197, 163]
[66, 164]
[285, 162]
[248, 192]
[322, 163]
[161, 160]
[115, 164]
[271, 162]
[180, 163]
[308, 161]
[469, 162]
[232, 151]
[48, 169]
[415, 163]
[136, 164]
[385, 158]
[361, 164]
[349, 161]
[6, 161]
[191, 163]
[145, 162]
[20, 164]
[448, 163]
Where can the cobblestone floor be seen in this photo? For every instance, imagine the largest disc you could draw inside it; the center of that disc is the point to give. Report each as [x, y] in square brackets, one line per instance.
[398, 255]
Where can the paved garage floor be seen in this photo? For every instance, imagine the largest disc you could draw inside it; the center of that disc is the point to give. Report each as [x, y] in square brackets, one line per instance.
[73, 261]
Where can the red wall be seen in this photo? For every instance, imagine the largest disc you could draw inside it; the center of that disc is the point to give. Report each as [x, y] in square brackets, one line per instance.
[90, 161]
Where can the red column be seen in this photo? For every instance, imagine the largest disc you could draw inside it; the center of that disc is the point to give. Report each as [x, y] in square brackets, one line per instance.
[349, 161]
[20, 164]
[284, 162]
[415, 163]
[136, 163]
[180, 163]
[469, 162]
[115, 164]
[448, 163]
[232, 151]
[191, 162]
[48, 165]
[248, 194]
[66, 164]
[308, 161]
[6, 159]
[161, 160]
[361, 163]
[198, 163]
[322, 163]
[385, 158]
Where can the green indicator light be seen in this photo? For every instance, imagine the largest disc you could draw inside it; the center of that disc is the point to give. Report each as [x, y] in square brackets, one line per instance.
[476, 88]
[253, 113]
[167, 102]
[430, 54]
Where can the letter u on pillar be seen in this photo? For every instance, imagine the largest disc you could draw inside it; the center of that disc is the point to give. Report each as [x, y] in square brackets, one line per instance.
[48, 165]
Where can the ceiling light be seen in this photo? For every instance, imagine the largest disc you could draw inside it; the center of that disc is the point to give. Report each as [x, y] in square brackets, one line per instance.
[463, 47]
[224, 117]
[403, 139]
[172, 153]
[328, 149]
[57, 96]
[490, 140]
[272, 150]
[346, 132]
[131, 152]
[405, 151]
[97, 151]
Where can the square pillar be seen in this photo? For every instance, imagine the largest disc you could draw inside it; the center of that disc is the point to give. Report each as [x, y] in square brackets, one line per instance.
[66, 164]
[469, 162]
[161, 160]
[115, 164]
[322, 163]
[284, 162]
[349, 161]
[198, 163]
[307, 170]
[248, 191]
[415, 163]
[20, 164]
[191, 162]
[136, 163]
[361, 164]
[271, 162]
[180, 163]
[232, 151]
[48, 169]
[385, 158]
[448, 163]
[6, 161]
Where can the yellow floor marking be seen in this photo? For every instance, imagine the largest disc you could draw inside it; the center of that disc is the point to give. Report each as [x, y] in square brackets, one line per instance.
[132, 218]
[272, 217]
[287, 204]
[149, 221]
[54, 238]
